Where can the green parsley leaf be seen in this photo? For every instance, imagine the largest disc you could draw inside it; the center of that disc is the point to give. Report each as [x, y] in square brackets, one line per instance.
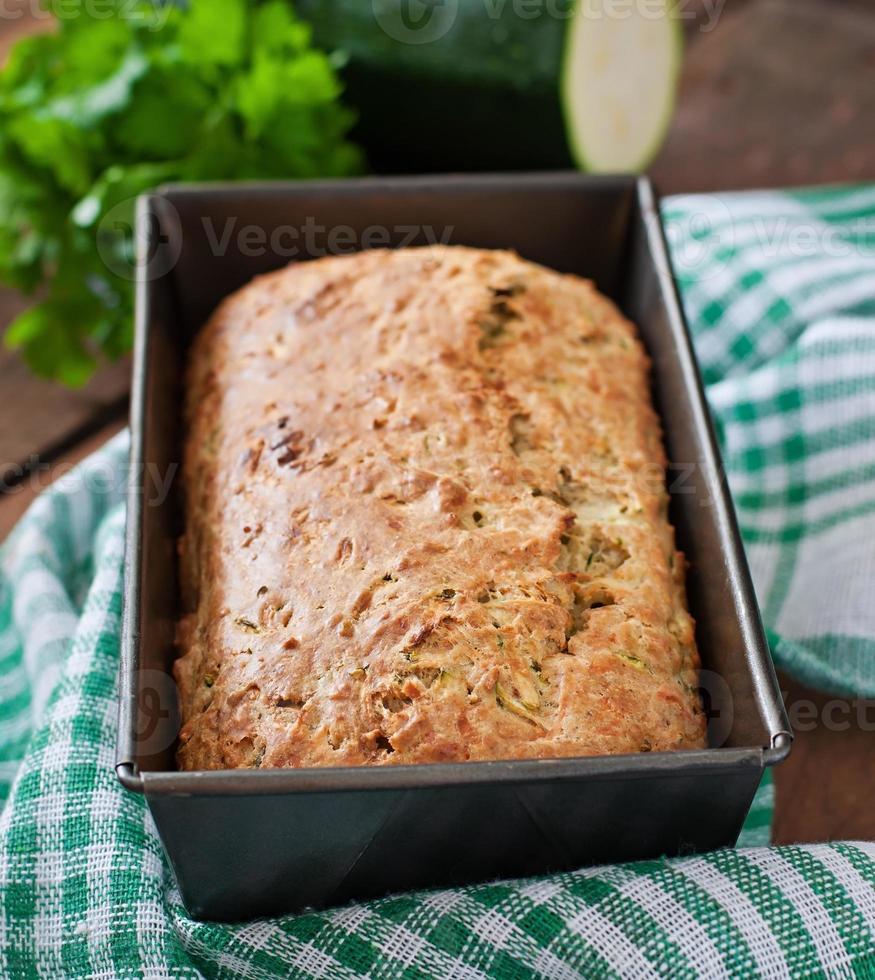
[132, 95]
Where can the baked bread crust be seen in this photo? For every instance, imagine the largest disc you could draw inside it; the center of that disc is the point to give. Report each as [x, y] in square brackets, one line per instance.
[426, 522]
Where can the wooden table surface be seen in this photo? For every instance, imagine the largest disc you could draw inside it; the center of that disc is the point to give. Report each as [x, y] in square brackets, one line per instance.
[776, 93]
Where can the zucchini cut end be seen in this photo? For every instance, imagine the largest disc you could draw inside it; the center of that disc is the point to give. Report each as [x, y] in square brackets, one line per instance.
[618, 83]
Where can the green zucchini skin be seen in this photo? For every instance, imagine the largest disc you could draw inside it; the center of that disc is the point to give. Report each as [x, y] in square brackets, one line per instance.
[485, 95]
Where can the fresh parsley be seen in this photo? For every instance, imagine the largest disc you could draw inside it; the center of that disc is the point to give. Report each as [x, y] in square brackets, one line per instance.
[108, 106]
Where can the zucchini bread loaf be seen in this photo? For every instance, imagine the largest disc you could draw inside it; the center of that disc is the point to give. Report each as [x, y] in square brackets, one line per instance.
[426, 520]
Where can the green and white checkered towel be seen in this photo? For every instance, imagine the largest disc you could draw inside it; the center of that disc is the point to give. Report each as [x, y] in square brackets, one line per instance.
[787, 342]
[780, 293]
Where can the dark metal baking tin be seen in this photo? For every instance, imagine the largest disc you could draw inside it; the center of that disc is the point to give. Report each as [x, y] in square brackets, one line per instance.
[253, 842]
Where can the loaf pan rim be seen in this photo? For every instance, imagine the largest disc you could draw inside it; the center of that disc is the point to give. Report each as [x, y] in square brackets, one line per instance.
[758, 659]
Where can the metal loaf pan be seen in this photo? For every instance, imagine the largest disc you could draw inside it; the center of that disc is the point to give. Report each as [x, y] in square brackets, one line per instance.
[253, 842]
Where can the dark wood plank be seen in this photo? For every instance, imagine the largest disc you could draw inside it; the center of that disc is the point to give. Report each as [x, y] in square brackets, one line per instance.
[780, 92]
[825, 788]
[40, 417]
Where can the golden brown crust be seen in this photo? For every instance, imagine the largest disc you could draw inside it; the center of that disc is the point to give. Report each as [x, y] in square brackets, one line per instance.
[426, 521]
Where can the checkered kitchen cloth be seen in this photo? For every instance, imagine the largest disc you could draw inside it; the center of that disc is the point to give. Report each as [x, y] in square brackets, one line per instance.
[787, 342]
